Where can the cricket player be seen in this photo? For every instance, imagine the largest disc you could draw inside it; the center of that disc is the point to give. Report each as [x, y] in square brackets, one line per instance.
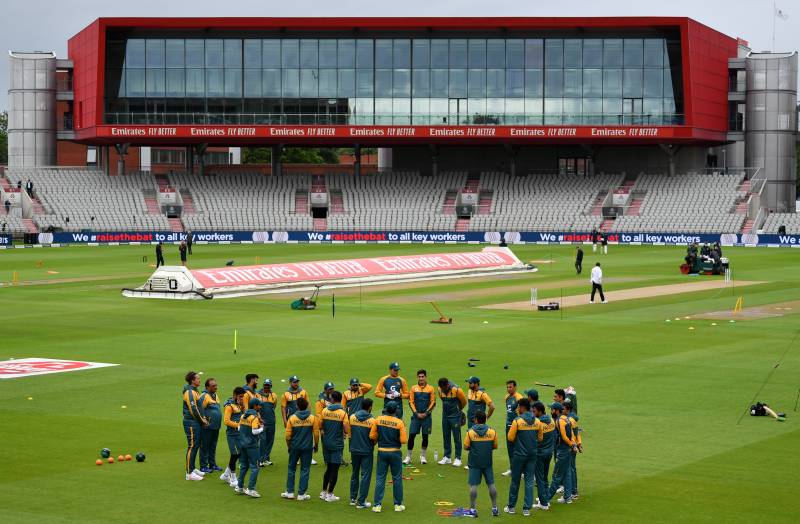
[268, 402]
[393, 387]
[250, 386]
[193, 422]
[453, 402]
[481, 441]
[524, 432]
[354, 397]
[597, 283]
[389, 433]
[511, 399]
[334, 426]
[544, 453]
[421, 400]
[290, 397]
[565, 446]
[232, 414]
[361, 454]
[576, 432]
[249, 429]
[302, 439]
[209, 435]
[477, 400]
[323, 399]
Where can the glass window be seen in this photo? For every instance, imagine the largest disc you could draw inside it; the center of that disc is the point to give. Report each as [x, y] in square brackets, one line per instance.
[554, 53]
[309, 83]
[327, 54]
[364, 54]
[458, 53]
[174, 53]
[652, 106]
[290, 53]
[572, 110]
[592, 53]
[573, 53]
[515, 54]
[477, 83]
[420, 108]
[515, 83]
[215, 82]
[633, 52]
[233, 53]
[271, 83]
[553, 82]
[347, 53]
[552, 106]
[347, 82]
[214, 53]
[439, 53]
[612, 109]
[155, 53]
[327, 82]
[422, 54]
[653, 52]
[612, 52]
[592, 108]
[593, 82]
[134, 83]
[653, 83]
[155, 82]
[252, 54]
[134, 54]
[668, 92]
[195, 53]
[421, 83]
[495, 54]
[290, 83]
[309, 53]
[439, 83]
[401, 54]
[195, 82]
[477, 53]
[383, 108]
[632, 83]
[383, 54]
[364, 82]
[573, 82]
[176, 81]
[515, 111]
[612, 82]
[383, 82]
[534, 53]
[458, 83]
[252, 81]
[495, 82]
[271, 54]
[233, 83]
[401, 84]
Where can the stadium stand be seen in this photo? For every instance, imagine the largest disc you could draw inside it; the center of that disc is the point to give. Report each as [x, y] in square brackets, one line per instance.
[776, 220]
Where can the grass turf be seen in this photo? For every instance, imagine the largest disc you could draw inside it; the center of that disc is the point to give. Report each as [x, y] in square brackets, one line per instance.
[660, 404]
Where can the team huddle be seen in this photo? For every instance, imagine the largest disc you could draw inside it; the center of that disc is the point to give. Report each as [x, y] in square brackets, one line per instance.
[534, 437]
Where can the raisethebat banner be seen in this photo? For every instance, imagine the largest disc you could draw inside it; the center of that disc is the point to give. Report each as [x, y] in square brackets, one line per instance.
[489, 258]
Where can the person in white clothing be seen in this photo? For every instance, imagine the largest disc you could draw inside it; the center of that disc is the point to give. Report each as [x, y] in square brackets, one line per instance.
[597, 283]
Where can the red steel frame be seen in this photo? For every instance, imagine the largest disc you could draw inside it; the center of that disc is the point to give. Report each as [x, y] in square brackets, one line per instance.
[705, 54]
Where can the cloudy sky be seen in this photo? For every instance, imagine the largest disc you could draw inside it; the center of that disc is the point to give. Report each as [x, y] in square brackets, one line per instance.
[46, 25]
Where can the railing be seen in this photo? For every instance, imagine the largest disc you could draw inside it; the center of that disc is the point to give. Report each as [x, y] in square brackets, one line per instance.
[613, 119]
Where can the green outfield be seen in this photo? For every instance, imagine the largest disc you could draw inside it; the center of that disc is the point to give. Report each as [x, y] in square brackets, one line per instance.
[660, 403]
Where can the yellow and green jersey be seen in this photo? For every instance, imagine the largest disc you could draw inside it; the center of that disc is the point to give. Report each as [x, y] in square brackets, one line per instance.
[576, 429]
[302, 432]
[209, 409]
[249, 395]
[247, 424]
[191, 411]
[511, 406]
[389, 433]
[452, 402]
[334, 425]
[476, 401]
[268, 403]
[231, 415]
[524, 433]
[547, 436]
[353, 399]
[563, 433]
[361, 423]
[480, 441]
[289, 400]
[421, 399]
[391, 388]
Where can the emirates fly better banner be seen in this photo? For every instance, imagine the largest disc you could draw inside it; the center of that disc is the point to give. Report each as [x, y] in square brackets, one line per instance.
[354, 268]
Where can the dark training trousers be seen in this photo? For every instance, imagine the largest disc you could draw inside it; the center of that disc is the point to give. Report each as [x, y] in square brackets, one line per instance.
[451, 427]
[208, 447]
[192, 430]
[361, 476]
[595, 288]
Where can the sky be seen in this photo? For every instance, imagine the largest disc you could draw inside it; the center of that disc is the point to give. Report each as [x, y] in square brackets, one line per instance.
[46, 25]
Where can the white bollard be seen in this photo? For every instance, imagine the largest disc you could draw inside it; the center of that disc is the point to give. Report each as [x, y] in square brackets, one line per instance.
[534, 296]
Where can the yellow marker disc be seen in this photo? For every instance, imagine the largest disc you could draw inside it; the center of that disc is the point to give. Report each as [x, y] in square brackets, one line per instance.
[443, 503]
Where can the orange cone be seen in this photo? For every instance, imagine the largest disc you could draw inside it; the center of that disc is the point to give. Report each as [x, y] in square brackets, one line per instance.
[110, 460]
[98, 462]
[128, 457]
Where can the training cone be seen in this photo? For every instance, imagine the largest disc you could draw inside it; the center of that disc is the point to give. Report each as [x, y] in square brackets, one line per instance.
[98, 462]
[128, 457]
[110, 460]
[121, 458]
[691, 329]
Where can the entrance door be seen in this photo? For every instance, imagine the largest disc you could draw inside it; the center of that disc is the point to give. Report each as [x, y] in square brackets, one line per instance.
[457, 111]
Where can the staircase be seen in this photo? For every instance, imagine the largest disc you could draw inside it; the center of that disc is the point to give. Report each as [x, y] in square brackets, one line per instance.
[337, 202]
[485, 202]
[4, 183]
[473, 183]
[462, 224]
[175, 225]
[597, 206]
[188, 202]
[748, 226]
[301, 202]
[151, 202]
[162, 181]
[320, 224]
[30, 226]
[635, 207]
[607, 223]
[449, 206]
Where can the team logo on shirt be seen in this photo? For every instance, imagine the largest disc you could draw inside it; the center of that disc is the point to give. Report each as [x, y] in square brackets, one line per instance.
[27, 367]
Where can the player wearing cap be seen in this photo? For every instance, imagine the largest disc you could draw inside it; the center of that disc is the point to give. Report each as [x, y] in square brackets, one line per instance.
[232, 413]
[393, 387]
[453, 402]
[565, 446]
[544, 452]
[576, 432]
[421, 400]
[389, 433]
[209, 435]
[512, 397]
[324, 398]
[289, 398]
[354, 396]
[193, 422]
[249, 430]
[302, 439]
[477, 400]
[524, 432]
[334, 426]
[361, 454]
[268, 402]
[481, 441]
